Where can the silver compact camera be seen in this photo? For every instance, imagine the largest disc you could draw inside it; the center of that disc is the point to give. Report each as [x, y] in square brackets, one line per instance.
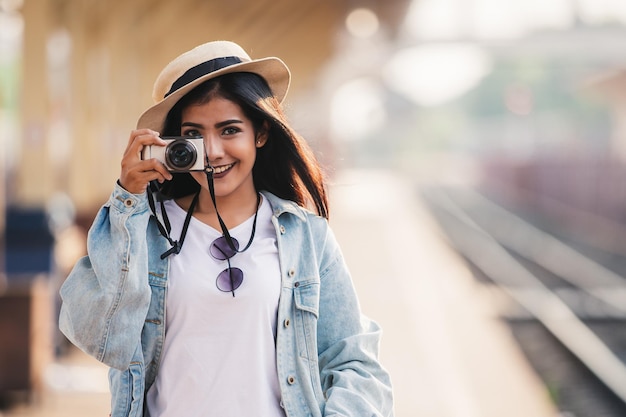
[181, 154]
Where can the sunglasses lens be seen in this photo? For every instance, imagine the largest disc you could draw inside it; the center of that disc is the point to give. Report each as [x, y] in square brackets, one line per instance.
[229, 279]
[221, 250]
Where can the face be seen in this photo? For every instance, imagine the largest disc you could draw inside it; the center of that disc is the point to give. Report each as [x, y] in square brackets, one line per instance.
[231, 143]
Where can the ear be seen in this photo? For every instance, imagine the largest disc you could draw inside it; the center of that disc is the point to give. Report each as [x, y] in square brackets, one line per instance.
[262, 135]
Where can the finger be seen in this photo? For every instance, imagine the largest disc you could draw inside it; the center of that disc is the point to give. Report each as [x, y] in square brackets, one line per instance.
[140, 139]
[135, 173]
[131, 168]
[156, 165]
[140, 132]
[137, 181]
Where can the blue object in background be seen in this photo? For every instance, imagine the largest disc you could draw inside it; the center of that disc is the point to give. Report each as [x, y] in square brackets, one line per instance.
[29, 243]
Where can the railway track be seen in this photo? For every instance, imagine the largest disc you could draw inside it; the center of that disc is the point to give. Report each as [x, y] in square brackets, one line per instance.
[566, 308]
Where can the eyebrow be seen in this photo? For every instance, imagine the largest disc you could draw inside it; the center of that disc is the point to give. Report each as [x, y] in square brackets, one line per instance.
[217, 125]
[227, 122]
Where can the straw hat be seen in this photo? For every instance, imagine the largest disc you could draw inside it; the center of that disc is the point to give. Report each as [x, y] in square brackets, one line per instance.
[202, 63]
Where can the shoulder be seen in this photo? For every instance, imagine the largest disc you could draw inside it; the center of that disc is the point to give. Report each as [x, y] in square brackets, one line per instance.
[282, 207]
[294, 217]
[303, 224]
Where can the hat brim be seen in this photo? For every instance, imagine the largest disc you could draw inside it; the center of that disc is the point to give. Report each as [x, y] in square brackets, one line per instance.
[272, 69]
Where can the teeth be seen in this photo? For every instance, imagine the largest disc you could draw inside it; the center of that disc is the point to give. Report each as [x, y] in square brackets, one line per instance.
[219, 170]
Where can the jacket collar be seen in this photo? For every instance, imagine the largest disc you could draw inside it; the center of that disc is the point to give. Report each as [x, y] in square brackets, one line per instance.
[281, 206]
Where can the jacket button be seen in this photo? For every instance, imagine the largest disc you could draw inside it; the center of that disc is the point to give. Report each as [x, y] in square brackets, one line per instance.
[291, 380]
[282, 229]
[292, 272]
[129, 202]
[297, 284]
[287, 322]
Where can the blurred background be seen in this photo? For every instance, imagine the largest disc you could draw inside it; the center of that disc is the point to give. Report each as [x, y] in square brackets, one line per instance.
[475, 152]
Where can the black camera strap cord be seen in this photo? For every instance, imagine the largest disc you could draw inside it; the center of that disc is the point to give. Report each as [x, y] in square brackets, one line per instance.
[208, 170]
[165, 228]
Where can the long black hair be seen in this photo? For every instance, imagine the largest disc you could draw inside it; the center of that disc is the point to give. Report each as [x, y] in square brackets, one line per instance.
[285, 166]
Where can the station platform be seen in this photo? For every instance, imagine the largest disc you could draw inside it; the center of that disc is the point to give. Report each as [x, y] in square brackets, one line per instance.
[448, 353]
[443, 344]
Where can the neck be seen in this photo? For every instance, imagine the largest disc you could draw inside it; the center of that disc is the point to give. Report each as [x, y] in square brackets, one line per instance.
[234, 210]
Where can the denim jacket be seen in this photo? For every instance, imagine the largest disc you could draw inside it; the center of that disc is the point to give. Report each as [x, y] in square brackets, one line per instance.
[327, 352]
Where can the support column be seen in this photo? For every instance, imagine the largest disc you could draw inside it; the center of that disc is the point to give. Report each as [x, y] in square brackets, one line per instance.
[32, 185]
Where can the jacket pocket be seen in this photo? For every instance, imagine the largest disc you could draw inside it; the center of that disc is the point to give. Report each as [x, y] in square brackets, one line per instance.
[127, 391]
[306, 300]
[307, 296]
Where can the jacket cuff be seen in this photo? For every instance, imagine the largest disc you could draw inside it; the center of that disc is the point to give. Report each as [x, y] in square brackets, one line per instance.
[125, 201]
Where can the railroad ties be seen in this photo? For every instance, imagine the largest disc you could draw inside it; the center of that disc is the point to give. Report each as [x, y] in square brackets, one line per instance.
[575, 292]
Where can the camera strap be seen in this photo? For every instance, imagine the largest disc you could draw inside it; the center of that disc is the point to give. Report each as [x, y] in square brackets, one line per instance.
[209, 177]
[166, 228]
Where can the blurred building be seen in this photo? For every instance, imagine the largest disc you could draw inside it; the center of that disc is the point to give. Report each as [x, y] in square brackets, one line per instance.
[612, 85]
[88, 68]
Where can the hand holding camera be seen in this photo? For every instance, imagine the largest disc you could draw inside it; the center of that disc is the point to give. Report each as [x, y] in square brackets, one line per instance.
[137, 173]
[149, 157]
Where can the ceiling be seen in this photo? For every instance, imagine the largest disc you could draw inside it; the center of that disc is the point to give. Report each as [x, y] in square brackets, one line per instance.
[302, 33]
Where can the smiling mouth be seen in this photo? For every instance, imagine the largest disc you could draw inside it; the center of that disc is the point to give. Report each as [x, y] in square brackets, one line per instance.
[223, 168]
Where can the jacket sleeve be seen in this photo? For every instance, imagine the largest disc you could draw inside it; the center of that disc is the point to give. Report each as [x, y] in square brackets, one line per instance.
[353, 379]
[106, 297]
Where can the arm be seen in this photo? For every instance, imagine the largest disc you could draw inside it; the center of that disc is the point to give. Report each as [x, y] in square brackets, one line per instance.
[106, 296]
[354, 382]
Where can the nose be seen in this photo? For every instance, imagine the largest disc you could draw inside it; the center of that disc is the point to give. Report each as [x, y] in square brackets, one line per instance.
[213, 148]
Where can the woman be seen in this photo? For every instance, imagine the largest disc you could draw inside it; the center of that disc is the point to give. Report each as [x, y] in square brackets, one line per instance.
[262, 317]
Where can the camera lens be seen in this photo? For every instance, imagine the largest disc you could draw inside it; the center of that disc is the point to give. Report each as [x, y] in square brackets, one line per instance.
[180, 155]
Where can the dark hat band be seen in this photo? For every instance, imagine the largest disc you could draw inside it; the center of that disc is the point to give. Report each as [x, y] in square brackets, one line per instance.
[203, 69]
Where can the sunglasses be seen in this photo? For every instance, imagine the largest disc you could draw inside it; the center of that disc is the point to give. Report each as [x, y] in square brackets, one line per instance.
[231, 278]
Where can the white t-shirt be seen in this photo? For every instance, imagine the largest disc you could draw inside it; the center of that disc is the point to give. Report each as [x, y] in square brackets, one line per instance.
[219, 354]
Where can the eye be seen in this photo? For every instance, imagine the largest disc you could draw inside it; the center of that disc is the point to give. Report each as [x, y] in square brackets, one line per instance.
[230, 130]
[190, 132]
